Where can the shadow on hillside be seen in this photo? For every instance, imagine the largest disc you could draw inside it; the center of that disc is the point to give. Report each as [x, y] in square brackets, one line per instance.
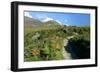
[70, 50]
[77, 53]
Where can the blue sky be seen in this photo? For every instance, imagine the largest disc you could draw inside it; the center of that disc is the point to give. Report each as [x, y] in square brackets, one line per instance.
[70, 19]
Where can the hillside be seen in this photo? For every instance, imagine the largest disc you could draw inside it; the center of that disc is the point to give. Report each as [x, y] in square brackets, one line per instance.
[32, 22]
[49, 40]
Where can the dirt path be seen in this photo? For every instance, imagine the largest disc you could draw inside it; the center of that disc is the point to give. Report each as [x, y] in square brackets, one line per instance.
[67, 54]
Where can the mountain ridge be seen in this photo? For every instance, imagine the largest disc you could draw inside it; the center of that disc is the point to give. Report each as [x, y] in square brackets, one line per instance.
[32, 22]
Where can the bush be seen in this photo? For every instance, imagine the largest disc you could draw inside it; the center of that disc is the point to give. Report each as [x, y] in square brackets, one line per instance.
[81, 46]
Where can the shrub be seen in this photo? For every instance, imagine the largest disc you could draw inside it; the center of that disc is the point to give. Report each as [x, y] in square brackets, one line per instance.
[81, 46]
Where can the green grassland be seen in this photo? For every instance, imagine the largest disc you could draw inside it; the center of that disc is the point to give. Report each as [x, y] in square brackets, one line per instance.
[43, 43]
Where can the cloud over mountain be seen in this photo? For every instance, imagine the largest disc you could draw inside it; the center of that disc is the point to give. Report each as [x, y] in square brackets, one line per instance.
[43, 18]
[27, 14]
[46, 19]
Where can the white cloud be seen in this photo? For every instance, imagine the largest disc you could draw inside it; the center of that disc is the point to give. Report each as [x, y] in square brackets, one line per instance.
[46, 19]
[67, 24]
[28, 14]
[58, 22]
[43, 18]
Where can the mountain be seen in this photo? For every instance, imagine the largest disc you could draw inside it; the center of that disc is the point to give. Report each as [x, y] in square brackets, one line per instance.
[52, 22]
[31, 21]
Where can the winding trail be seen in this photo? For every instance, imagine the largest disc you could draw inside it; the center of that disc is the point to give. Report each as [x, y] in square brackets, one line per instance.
[67, 54]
